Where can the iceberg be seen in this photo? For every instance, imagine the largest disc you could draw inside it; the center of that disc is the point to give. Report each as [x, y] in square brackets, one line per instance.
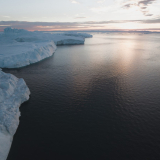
[13, 92]
[20, 47]
[67, 40]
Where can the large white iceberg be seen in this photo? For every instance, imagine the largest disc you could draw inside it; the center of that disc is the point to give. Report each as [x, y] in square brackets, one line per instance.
[19, 47]
[13, 92]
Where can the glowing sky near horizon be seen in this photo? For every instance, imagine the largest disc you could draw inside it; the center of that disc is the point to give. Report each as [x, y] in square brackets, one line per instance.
[102, 14]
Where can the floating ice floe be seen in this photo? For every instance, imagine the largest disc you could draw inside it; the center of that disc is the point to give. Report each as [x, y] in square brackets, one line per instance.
[13, 92]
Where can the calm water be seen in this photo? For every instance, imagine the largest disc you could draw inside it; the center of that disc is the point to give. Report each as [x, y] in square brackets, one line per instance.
[96, 101]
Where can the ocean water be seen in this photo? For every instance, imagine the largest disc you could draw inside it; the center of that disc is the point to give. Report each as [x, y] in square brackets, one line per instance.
[96, 101]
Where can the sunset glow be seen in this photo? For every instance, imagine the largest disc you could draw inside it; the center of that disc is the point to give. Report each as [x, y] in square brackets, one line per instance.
[53, 15]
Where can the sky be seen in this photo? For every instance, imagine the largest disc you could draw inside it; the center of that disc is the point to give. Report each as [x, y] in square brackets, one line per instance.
[50, 15]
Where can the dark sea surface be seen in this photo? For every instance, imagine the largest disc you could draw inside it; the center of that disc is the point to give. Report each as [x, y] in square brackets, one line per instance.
[98, 101]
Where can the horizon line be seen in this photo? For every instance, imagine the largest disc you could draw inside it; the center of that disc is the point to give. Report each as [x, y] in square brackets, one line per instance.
[118, 26]
[149, 30]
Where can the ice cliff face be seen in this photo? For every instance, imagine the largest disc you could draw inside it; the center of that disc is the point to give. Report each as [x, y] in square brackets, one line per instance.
[15, 55]
[13, 92]
[67, 40]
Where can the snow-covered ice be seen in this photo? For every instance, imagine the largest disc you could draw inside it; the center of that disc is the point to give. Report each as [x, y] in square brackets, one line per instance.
[13, 92]
[20, 47]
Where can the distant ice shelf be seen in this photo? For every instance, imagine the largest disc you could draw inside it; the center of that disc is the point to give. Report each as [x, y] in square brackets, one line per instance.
[13, 92]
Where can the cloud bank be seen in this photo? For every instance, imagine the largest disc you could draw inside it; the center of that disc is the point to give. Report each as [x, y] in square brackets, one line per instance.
[60, 26]
[143, 5]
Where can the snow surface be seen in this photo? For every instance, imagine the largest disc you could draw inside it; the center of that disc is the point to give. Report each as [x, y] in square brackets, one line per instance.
[19, 47]
[13, 92]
